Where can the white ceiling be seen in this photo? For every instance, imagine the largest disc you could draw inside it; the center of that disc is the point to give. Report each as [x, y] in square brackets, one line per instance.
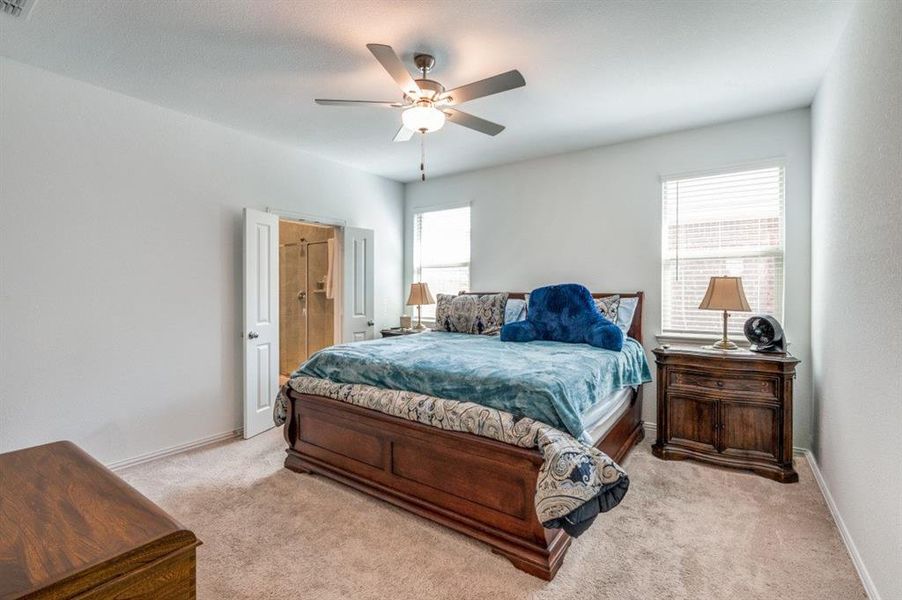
[596, 72]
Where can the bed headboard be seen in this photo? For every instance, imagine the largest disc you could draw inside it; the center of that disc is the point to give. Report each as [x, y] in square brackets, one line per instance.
[635, 330]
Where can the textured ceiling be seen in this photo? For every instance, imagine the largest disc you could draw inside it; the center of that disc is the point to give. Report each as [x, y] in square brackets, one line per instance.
[596, 72]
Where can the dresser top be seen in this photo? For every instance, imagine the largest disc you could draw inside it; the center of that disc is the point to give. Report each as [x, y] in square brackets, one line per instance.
[741, 354]
[66, 520]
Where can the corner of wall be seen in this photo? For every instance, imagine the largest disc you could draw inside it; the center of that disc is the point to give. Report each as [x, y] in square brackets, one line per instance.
[856, 255]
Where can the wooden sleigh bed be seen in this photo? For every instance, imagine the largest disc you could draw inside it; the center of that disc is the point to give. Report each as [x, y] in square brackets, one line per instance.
[480, 487]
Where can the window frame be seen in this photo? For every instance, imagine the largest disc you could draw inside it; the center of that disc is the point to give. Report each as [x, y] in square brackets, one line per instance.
[416, 269]
[780, 163]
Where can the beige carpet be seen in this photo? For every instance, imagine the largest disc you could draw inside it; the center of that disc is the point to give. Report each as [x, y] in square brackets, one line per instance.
[684, 530]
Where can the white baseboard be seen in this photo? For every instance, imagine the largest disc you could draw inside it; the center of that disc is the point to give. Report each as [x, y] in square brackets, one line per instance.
[863, 574]
[206, 441]
[866, 581]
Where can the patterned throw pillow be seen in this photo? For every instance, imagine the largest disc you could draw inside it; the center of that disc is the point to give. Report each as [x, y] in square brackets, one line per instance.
[618, 311]
[470, 314]
[609, 307]
[490, 315]
[443, 312]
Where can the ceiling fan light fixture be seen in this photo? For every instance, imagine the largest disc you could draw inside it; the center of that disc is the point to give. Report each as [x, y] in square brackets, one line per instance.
[426, 103]
[423, 117]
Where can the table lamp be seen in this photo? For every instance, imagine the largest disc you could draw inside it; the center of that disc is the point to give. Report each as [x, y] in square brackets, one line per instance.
[725, 293]
[419, 295]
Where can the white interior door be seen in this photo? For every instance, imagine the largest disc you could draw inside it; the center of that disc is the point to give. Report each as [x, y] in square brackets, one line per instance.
[261, 319]
[357, 285]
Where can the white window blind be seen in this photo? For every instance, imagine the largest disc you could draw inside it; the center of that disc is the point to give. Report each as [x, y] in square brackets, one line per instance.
[725, 224]
[441, 251]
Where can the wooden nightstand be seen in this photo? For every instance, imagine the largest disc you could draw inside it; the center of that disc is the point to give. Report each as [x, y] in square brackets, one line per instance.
[732, 409]
[396, 331]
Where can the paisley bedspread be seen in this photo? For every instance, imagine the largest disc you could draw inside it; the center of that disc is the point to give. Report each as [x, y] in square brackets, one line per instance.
[576, 481]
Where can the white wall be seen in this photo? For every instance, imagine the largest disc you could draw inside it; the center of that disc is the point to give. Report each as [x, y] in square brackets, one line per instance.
[856, 287]
[120, 261]
[594, 217]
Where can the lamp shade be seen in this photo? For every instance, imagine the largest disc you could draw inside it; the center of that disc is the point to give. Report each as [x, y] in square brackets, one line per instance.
[725, 293]
[419, 295]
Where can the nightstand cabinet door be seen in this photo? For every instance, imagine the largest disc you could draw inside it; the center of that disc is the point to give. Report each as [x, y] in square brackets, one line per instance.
[749, 428]
[692, 421]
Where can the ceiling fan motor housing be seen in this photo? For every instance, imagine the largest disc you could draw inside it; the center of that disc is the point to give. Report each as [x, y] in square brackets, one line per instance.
[431, 89]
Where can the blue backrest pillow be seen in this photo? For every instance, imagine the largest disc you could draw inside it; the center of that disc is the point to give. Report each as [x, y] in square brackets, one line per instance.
[564, 313]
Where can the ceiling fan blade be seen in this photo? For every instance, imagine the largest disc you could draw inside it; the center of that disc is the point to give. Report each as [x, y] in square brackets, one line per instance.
[403, 134]
[468, 120]
[391, 63]
[384, 103]
[485, 87]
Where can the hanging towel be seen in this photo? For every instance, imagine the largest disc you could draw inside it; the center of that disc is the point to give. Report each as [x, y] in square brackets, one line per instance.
[331, 269]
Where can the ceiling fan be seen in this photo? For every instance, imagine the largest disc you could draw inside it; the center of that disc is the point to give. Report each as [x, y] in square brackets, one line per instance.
[426, 103]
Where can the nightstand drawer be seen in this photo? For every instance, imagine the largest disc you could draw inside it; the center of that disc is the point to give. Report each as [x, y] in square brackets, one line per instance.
[760, 386]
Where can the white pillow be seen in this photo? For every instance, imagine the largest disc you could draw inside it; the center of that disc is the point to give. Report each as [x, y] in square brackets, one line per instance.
[514, 310]
[626, 312]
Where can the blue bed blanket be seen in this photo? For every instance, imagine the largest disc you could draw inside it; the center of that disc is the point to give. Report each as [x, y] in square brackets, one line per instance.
[551, 382]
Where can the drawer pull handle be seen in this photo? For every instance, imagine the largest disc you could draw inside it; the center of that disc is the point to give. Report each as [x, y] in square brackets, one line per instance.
[720, 384]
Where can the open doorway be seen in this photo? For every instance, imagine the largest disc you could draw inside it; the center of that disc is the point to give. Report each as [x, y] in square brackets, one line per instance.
[308, 281]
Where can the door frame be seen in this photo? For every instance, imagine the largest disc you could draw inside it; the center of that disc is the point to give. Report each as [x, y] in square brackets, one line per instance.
[307, 218]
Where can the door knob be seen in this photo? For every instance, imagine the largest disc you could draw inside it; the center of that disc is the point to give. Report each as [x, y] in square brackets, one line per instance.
[252, 335]
[370, 323]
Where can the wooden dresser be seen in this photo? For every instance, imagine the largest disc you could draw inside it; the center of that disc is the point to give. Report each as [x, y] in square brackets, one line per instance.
[732, 409]
[69, 528]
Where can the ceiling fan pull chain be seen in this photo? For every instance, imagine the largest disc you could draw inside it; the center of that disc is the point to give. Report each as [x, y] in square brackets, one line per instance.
[423, 156]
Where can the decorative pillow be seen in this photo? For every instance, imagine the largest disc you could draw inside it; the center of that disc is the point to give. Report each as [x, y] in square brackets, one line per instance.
[443, 312]
[609, 306]
[564, 313]
[514, 310]
[483, 315]
[626, 313]
[618, 310]
[455, 313]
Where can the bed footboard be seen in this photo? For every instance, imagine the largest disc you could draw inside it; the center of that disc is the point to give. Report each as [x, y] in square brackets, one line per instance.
[477, 486]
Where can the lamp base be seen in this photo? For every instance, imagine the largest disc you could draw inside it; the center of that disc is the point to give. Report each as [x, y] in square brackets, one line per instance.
[419, 326]
[723, 345]
[724, 342]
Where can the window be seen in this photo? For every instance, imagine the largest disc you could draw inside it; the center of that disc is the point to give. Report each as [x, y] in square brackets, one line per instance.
[441, 251]
[730, 223]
